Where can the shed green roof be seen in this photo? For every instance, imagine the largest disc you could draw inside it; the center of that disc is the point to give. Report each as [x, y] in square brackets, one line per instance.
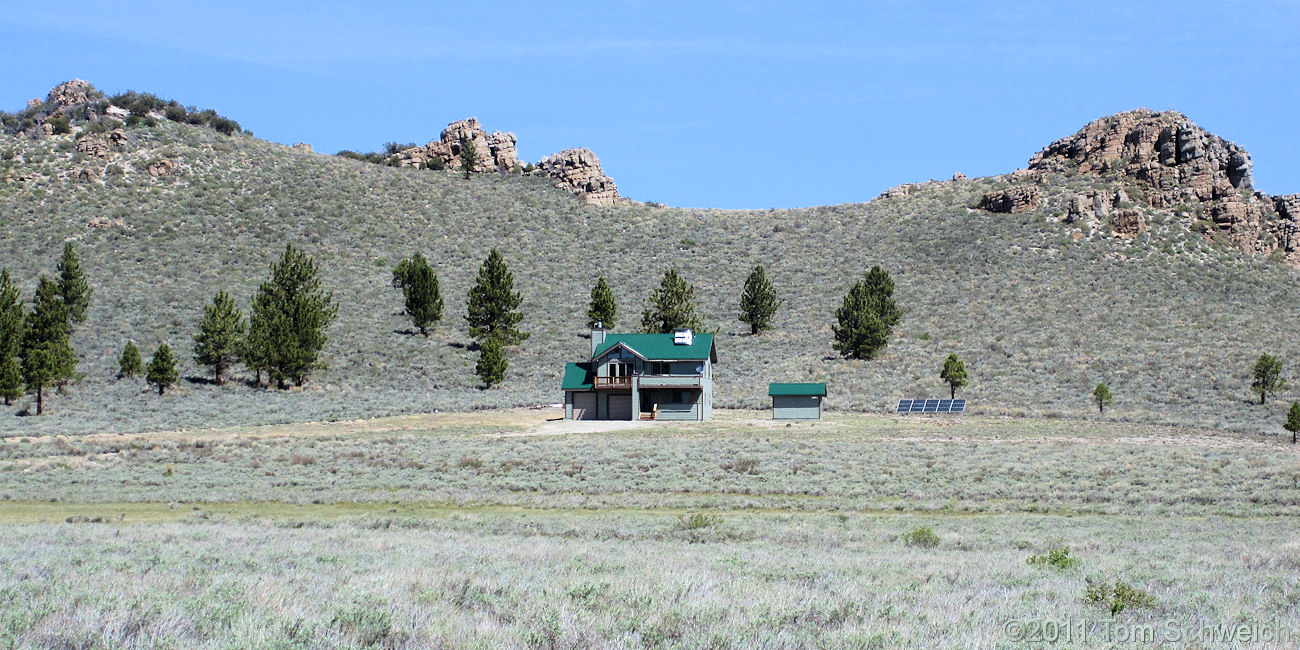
[660, 347]
[797, 389]
[577, 376]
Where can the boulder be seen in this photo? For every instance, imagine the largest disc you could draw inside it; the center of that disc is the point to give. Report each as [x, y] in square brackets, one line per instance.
[579, 171]
[71, 93]
[161, 168]
[93, 145]
[1128, 223]
[302, 146]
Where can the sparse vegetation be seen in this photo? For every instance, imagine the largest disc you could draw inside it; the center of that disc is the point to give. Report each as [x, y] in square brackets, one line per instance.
[1058, 558]
[1115, 597]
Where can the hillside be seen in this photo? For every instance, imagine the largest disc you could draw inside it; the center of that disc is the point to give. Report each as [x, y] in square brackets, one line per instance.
[1041, 300]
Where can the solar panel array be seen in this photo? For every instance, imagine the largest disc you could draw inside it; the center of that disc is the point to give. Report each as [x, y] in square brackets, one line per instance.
[931, 406]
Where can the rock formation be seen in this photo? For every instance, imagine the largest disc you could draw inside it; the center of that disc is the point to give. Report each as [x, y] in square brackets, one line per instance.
[1177, 166]
[579, 171]
[302, 147]
[1021, 198]
[496, 150]
[71, 93]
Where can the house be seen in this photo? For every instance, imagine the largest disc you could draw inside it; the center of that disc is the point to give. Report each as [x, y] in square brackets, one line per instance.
[642, 376]
[797, 401]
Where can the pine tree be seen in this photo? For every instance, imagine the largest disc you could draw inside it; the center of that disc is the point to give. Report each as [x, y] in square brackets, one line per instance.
[1102, 394]
[130, 364]
[602, 311]
[420, 288]
[492, 364]
[954, 372]
[493, 303]
[290, 313]
[1293, 420]
[73, 287]
[671, 306]
[221, 335]
[1268, 376]
[758, 302]
[11, 379]
[47, 354]
[162, 369]
[11, 339]
[469, 159]
[867, 316]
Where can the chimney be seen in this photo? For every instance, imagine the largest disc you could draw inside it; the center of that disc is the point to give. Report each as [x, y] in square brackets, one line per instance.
[683, 337]
[597, 337]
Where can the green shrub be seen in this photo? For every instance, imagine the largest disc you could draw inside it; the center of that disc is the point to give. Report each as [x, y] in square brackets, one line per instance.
[435, 163]
[921, 536]
[1116, 598]
[367, 624]
[697, 521]
[1057, 558]
[61, 125]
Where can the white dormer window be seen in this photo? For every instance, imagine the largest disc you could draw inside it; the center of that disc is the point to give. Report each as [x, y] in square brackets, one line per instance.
[683, 337]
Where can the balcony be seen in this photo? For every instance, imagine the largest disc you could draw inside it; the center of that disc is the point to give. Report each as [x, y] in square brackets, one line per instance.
[613, 383]
[671, 381]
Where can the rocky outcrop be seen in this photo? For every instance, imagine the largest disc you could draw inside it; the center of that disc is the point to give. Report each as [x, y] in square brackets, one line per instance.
[161, 168]
[71, 93]
[496, 150]
[579, 171]
[93, 145]
[1173, 159]
[1013, 200]
[302, 147]
[1176, 166]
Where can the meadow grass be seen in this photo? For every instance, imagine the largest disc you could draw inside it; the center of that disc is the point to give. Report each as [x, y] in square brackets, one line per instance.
[505, 529]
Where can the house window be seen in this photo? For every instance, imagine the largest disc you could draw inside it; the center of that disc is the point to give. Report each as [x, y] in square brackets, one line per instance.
[659, 368]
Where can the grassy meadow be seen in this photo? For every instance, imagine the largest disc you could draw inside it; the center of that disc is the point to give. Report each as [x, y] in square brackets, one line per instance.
[511, 529]
[1170, 320]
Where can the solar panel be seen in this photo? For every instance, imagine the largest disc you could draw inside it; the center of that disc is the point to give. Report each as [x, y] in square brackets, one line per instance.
[931, 406]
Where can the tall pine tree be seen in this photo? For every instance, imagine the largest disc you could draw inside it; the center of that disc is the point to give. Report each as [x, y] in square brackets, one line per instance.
[11, 339]
[671, 306]
[47, 353]
[421, 291]
[221, 335]
[469, 158]
[602, 310]
[73, 287]
[758, 303]
[867, 316]
[162, 369]
[493, 304]
[290, 313]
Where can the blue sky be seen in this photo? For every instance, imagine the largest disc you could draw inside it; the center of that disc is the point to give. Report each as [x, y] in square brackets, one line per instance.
[732, 105]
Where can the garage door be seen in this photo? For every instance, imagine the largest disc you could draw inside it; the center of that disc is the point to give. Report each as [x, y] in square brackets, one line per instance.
[584, 406]
[620, 407]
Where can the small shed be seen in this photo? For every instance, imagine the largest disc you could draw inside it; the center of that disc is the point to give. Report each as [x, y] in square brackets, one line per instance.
[797, 401]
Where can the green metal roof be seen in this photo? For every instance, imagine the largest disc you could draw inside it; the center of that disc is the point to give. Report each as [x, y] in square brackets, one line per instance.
[577, 376]
[660, 347]
[796, 389]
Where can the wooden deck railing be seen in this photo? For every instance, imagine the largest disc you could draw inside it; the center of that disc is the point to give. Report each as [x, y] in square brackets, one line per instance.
[612, 382]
